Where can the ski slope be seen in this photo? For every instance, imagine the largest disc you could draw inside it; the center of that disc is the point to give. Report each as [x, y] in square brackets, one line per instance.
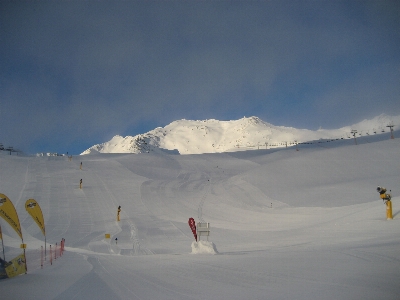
[287, 224]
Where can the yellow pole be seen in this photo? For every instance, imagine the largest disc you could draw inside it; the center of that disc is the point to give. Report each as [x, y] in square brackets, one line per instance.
[80, 184]
[389, 215]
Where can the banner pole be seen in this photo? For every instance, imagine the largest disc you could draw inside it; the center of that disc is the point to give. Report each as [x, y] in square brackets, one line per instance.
[45, 247]
[51, 257]
[26, 264]
[4, 255]
[2, 243]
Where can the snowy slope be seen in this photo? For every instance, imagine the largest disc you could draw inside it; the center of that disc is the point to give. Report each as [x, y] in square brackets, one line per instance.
[213, 136]
[286, 224]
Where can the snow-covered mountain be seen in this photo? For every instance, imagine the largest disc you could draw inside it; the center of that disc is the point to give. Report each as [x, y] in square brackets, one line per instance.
[211, 136]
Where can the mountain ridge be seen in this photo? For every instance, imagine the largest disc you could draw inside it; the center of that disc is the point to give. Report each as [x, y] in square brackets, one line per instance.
[214, 136]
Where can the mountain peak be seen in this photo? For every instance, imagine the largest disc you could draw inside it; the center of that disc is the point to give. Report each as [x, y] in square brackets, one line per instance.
[211, 136]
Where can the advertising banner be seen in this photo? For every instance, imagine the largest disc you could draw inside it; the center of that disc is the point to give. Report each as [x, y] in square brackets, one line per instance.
[16, 266]
[8, 213]
[192, 225]
[33, 208]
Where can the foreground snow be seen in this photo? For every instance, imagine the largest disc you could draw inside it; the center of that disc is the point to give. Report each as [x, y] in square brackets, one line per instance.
[288, 224]
[204, 247]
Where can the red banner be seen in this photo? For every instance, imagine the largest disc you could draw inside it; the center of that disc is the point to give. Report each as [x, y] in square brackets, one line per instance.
[192, 225]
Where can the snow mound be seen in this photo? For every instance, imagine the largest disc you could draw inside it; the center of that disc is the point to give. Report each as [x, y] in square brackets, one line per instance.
[204, 247]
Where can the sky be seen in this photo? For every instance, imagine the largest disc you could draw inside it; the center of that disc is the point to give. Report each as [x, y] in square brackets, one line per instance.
[76, 73]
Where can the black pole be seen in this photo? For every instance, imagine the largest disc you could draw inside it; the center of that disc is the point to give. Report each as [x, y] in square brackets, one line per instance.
[2, 243]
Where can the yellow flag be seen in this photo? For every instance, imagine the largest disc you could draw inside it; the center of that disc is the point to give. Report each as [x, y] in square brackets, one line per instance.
[33, 208]
[16, 266]
[8, 213]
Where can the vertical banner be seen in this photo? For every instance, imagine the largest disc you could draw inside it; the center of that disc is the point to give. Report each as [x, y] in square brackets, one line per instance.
[8, 213]
[192, 225]
[33, 208]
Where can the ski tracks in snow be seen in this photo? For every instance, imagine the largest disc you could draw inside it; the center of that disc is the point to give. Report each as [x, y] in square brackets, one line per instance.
[127, 230]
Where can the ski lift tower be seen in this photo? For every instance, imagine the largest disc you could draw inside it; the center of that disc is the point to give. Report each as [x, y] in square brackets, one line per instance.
[353, 132]
[11, 149]
[391, 131]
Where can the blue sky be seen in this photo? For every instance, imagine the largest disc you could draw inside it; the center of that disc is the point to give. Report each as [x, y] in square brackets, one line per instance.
[76, 73]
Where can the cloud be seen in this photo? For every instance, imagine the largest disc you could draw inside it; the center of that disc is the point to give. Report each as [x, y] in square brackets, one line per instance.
[366, 95]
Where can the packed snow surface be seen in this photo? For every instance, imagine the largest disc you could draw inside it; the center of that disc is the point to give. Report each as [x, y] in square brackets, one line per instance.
[204, 247]
[288, 224]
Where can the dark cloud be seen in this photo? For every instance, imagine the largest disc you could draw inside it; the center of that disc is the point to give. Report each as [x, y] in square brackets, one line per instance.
[73, 73]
